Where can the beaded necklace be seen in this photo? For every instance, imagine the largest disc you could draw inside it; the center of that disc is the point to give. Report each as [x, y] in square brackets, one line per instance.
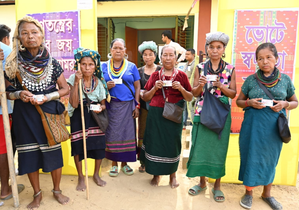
[92, 87]
[117, 72]
[162, 74]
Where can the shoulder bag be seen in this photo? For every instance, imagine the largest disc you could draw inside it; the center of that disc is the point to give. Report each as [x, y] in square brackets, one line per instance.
[100, 118]
[172, 111]
[54, 124]
[282, 122]
[214, 113]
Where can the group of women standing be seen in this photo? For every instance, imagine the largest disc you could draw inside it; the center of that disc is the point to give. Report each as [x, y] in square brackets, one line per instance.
[128, 93]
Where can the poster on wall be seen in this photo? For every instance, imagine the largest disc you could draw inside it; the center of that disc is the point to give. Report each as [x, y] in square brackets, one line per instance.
[252, 28]
[62, 36]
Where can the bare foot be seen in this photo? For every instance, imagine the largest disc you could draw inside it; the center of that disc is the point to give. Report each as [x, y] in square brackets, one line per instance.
[173, 183]
[36, 201]
[62, 199]
[99, 181]
[81, 184]
[155, 181]
[141, 168]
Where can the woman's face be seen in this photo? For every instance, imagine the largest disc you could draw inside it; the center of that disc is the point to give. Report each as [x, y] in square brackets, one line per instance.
[168, 58]
[149, 57]
[118, 51]
[215, 50]
[87, 66]
[266, 60]
[30, 35]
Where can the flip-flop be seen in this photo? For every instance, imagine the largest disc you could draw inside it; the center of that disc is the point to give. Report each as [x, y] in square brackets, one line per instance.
[142, 169]
[195, 190]
[218, 193]
[127, 170]
[273, 203]
[21, 187]
[113, 171]
[246, 201]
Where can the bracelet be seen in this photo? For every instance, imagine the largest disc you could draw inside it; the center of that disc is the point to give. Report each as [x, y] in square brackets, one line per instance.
[15, 95]
[138, 106]
[289, 104]
[246, 104]
[52, 96]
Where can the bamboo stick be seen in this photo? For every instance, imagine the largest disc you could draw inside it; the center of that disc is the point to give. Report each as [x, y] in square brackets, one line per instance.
[6, 124]
[84, 136]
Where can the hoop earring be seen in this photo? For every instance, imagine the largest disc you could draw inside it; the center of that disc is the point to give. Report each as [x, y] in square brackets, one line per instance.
[22, 48]
[109, 56]
[126, 56]
[223, 55]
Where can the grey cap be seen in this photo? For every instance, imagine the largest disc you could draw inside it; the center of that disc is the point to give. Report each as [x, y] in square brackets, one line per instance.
[217, 36]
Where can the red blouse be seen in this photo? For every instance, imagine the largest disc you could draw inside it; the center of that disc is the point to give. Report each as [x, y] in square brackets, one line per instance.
[173, 95]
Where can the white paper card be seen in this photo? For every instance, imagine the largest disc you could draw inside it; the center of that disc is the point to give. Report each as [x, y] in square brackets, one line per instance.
[267, 102]
[118, 81]
[38, 97]
[94, 107]
[212, 78]
[167, 83]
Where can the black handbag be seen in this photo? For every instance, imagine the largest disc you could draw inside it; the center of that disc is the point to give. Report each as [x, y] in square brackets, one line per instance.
[282, 122]
[100, 118]
[172, 111]
[214, 113]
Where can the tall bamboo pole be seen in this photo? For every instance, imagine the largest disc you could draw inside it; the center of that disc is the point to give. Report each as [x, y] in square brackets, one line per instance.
[84, 136]
[6, 124]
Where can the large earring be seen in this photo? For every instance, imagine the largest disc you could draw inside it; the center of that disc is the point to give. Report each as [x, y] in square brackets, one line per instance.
[126, 56]
[109, 56]
[22, 48]
[223, 55]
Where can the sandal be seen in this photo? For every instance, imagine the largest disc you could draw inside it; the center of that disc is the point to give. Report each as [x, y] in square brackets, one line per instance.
[195, 190]
[218, 193]
[141, 168]
[21, 187]
[273, 203]
[127, 170]
[246, 201]
[113, 171]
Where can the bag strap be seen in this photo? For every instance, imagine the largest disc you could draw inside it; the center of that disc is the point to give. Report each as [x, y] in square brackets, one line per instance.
[264, 88]
[163, 94]
[126, 84]
[40, 111]
[205, 71]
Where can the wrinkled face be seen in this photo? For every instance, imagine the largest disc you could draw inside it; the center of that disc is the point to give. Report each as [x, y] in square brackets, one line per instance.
[266, 60]
[149, 57]
[30, 35]
[189, 56]
[87, 66]
[215, 50]
[168, 58]
[118, 51]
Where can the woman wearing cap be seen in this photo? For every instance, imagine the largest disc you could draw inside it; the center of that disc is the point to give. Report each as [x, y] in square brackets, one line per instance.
[95, 87]
[148, 50]
[122, 78]
[43, 76]
[208, 153]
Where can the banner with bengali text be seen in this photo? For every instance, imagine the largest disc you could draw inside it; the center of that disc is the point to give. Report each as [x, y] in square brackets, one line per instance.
[252, 28]
[62, 36]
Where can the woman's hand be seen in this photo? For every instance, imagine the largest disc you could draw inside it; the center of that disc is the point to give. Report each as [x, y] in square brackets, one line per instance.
[110, 84]
[218, 84]
[256, 103]
[202, 80]
[135, 113]
[34, 101]
[78, 76]
[158, 84]
[100, 109]
[25, 96]
[279, 105]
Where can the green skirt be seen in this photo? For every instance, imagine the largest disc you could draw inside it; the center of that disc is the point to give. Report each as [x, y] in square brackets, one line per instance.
[208, 153]
[161, 147]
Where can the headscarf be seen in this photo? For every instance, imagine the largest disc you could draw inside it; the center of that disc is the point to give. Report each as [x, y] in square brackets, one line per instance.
[148, 45]
[11, 66]
[80, 53]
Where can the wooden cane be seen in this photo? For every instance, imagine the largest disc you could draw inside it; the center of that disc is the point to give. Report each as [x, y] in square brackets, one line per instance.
[6, 125]
[84, 136]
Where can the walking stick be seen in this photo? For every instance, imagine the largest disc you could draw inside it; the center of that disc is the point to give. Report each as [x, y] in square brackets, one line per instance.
[6, 125]
[84, 136]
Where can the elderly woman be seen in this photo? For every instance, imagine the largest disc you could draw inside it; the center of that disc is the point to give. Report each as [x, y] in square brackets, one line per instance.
[208, 152]
[161, 149]
[260, 142]
[94, 87]
[41, 74]
[148, 50]
[122, 79]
